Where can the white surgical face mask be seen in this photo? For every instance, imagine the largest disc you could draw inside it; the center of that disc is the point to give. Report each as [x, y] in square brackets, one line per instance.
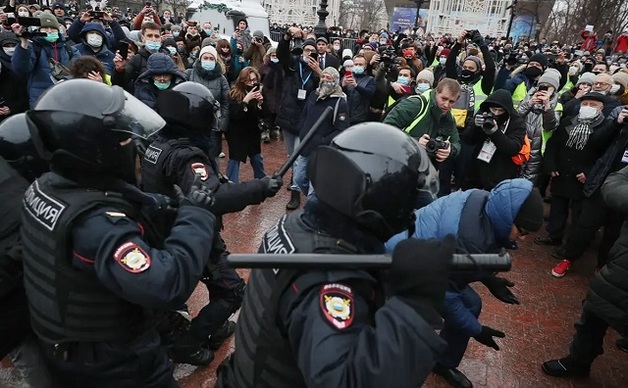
[94, 40]
[573, 70]
[23, 14]
[442, 61]
[9, 50]
[587, 112]
[614, 89]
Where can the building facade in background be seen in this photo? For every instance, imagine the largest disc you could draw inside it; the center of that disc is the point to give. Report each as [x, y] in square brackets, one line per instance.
[301, 12]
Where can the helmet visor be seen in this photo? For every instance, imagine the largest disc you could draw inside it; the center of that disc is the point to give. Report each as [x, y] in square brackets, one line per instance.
[137, 119]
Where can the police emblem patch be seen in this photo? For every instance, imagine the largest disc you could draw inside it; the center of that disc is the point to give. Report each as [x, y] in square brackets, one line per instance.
[200, 170]
[337, 305]
[152, 154]
[132, 258]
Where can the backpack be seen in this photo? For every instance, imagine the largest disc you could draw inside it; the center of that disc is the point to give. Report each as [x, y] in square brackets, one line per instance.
[524, 154]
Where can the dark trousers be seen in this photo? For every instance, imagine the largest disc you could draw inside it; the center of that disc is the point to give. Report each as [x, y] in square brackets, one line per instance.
[226, 290]
[559, 212]
[594, 214]
[14, 321]
[454, 166]
[587, 343]
[457, 341]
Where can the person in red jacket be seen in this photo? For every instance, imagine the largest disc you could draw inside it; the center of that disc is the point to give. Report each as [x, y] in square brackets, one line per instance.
[590, 38]
[621, 47]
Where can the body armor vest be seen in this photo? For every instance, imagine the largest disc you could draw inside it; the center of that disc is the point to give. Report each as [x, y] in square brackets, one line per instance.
[263, 355]
[67, 304]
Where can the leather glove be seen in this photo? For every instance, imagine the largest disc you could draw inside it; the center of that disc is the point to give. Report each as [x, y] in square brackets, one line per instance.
[156, 205]
[419, 274]
[486, 337]
[499, 288]
[272, 185]
[199, 195]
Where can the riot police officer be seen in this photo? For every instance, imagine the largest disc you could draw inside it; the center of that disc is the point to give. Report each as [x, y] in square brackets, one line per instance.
[94, 272]
[347, 328]
[180, 152]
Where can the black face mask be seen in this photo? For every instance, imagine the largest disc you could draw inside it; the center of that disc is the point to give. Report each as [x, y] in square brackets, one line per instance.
[588, 67]
[467, 76]
[533, 72]
[248, 88]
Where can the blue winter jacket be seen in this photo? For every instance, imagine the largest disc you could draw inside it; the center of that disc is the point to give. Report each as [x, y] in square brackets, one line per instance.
[481, 222]
[158, 63]
[515, 81]
[37, 72]
[105, 56]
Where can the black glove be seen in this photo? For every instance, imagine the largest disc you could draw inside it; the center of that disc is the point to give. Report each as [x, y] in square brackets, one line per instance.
[478, 38]
[199, 195]
[272, 185]
[499, 288]
[420, 272]
[486, 337]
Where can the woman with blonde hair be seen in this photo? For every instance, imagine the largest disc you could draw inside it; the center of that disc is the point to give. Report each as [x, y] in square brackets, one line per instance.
[244, 136]
[208, 70]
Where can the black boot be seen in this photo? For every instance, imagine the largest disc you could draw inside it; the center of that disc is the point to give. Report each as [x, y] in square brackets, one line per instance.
[220, 336]
[565, 367]
[453, 376]
[188, 350]
[295, 200]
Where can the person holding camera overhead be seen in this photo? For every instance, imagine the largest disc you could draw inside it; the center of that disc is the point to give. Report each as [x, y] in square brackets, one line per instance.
[497, 134]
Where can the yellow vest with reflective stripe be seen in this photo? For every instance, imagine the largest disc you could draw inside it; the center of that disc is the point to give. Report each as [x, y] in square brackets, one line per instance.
[519, 94]
[480, 97]
[425, 97]
[547, 134]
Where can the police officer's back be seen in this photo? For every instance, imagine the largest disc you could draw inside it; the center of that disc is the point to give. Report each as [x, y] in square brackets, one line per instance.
[94, 270]
[339, 328]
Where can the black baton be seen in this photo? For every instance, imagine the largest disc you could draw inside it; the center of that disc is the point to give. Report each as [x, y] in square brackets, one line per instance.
[295, 154]
[460, 262]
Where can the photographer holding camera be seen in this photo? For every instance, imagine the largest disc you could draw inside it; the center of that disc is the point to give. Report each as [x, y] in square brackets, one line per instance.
[256, 51]
[428, 118]
[498, 133]
[113, 30]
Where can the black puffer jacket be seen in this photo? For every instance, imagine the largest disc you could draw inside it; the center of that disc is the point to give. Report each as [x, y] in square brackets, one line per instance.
[13, 89]
[608, 292]
[289, 115]
[508, 142]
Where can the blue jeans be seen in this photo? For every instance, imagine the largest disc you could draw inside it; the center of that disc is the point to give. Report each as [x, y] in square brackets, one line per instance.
[291, 142]
[457, 341]
[233, 168]
[300, 176]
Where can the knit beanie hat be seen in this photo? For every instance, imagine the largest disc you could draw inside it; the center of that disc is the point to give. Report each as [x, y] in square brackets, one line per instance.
[347, 63]
[530, 216]
[48, 20]
[258, 34]
[550, 77]
[426, 75]
[347, 53]
[475, 59]
[587, 77]
[309, 42]
[444, 52]
[208, 49]
[539, 58]
[621, 78]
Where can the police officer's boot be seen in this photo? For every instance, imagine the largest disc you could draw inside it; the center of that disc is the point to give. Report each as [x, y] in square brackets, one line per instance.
[188, 350]
[220, 336]
[295, 200]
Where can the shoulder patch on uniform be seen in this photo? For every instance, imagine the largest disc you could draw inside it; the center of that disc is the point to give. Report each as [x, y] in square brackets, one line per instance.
[277, 240]
[152, 154]
[200, 169]
[42, 207]
[132, 257]
[337, 305]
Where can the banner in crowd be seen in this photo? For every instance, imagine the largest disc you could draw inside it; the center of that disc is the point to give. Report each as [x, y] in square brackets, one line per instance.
[523, 26]
[403, 18]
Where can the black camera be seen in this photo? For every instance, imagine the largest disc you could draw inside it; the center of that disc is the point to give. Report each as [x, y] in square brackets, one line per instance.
[543, 88]
[435, 144]
[387, 54]
[489, 121]
[471, 34]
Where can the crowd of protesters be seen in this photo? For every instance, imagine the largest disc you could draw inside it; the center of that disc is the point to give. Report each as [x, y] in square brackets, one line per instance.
[485, 109]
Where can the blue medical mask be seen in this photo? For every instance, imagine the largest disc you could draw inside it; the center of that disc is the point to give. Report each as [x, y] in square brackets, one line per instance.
[173, 50]
[162, 85]
[153, 46]
[52, 37]
[208, 32]
[208, 65]
[403, 80]
[274, 60]
[420, 88]
[175, 33]
[357, 70]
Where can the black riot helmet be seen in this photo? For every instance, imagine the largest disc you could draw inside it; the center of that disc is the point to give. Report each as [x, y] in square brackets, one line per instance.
[373, 173]
[189, 105]
[81, 126]
[17, 148]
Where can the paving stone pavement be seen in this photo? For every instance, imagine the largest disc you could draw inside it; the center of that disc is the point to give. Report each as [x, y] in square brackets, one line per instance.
[537, 330]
